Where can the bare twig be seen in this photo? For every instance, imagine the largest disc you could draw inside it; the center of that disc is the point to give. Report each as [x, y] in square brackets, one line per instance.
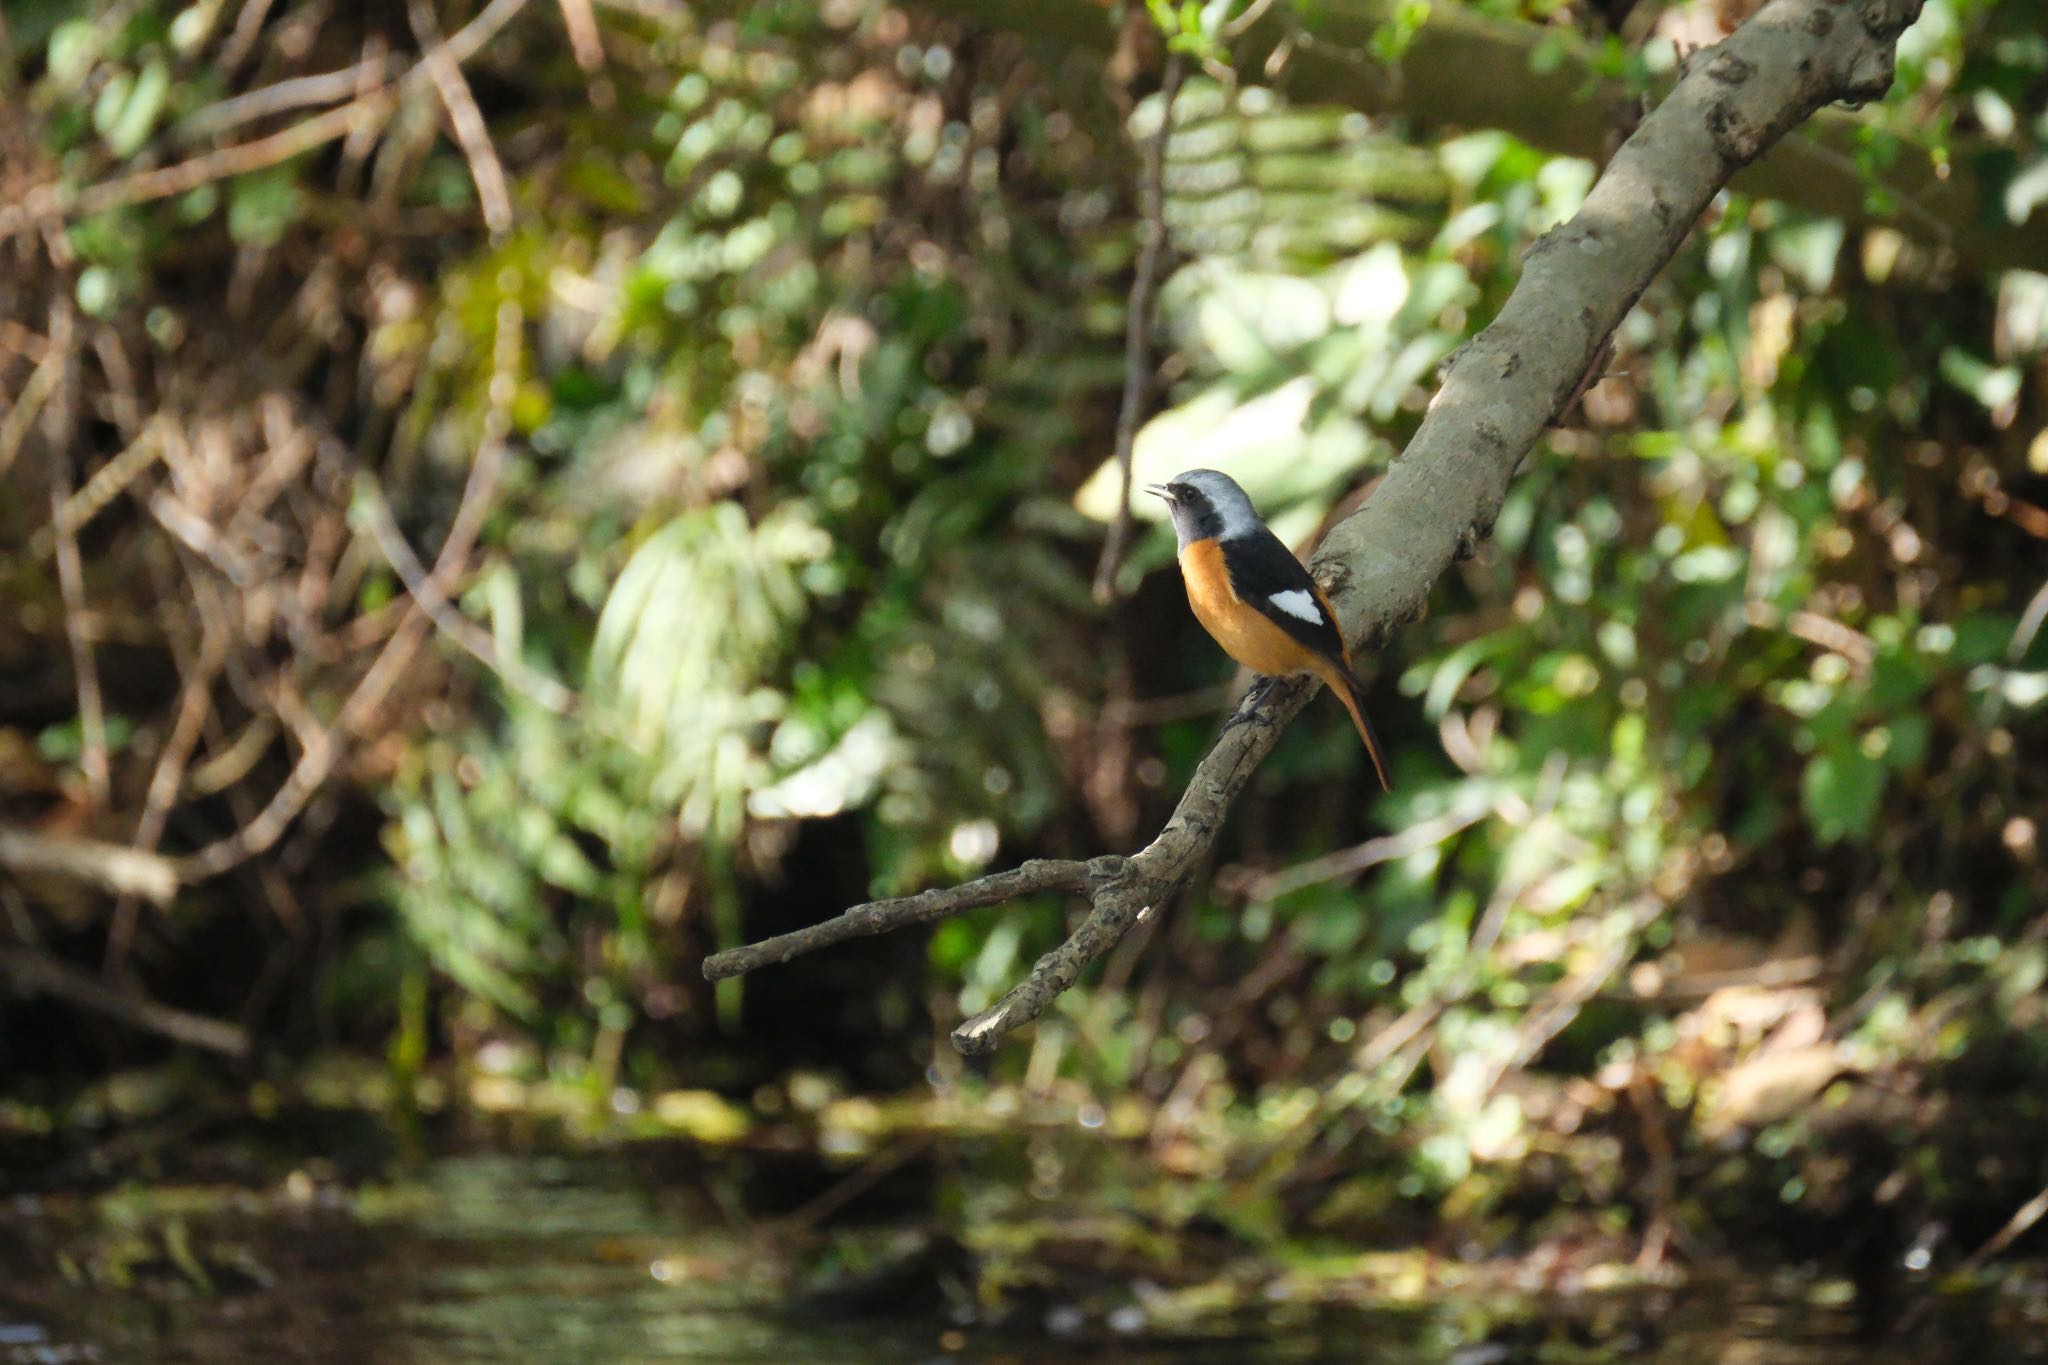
[927, 907]
[317, 760]
[514, 673]
[32, 971]
[2015, 1227]
[144, 186]
[465, 118]
[28, 405]
[583, 35]
[1847, 641]
[1497, 397]
[1349, 862]
[297, 93]
[1138, 326]
[124, 871]
[195, 704]
[106, 484]
[242, 41]
[2029, 625]
[1178, 706]
[57, 201]
[58, 423]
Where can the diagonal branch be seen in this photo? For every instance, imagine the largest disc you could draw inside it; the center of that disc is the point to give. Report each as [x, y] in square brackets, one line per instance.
[464, 118]
[1498, 395]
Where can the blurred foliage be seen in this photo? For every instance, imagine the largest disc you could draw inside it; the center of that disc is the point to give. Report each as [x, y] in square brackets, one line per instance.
[1718, 768]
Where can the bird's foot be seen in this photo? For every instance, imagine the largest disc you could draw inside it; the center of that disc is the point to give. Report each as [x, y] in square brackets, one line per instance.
[1248, 709]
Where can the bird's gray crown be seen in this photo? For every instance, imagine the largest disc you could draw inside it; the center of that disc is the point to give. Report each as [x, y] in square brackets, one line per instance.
[1206, 503]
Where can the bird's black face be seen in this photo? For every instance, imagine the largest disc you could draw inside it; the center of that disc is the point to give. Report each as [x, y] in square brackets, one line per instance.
[1194, 516]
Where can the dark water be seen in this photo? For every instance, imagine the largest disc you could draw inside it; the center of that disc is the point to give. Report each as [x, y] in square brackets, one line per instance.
[604, 1258]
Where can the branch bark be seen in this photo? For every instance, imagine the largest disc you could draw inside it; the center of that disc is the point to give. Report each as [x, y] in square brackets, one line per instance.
[1464, 70]
[33, 972]
[1498, 395]
[118, 868]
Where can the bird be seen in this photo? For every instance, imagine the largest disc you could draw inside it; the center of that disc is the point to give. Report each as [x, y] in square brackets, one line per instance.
[1251, 594]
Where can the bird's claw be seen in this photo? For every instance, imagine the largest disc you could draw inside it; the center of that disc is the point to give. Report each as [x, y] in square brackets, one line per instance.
[1248, 708]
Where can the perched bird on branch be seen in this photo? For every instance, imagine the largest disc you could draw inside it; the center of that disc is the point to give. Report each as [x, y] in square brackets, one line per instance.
[1251, 593]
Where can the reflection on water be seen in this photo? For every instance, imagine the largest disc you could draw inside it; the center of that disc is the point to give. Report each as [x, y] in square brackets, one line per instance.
[624, 1258]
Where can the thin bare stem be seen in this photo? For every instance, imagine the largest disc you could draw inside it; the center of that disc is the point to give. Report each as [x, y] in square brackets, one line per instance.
[881, 917]
[20, 417]
[1138, 327]
[124, 871]
[58, 424]
[33, 971]
[195, 704]
[465, 118]
[51, 201]
[316, 761]
[583, 36]
[535, 686]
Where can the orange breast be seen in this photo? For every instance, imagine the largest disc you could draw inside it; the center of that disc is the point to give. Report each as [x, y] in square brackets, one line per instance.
[1243, 631]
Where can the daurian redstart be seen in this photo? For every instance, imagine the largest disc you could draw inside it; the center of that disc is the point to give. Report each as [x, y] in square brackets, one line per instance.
[1251, 593]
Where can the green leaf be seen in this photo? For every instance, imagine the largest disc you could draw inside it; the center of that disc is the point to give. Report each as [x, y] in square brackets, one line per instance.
[1992, 386]
[1840, 790]
[1908, 741]
[137, 115]
[263, 206]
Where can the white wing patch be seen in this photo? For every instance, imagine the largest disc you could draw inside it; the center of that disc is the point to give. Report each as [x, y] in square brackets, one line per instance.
[1298, 603]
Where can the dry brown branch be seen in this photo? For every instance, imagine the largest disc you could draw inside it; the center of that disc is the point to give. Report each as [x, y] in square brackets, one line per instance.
[1159, 710]
[465, 118]
[1497, 397]
[397, 550]
[55, 201]
[51, 201]
[1138, 326]
[124, 871]
[583, 35]
[107, 483]
[2015, 1227]
[59, 422]
[22, 413]
[195, 704]
[232, 759]
[297, 93]
[317, 760]
[1847, 641]
[242, 40]
[32, 971]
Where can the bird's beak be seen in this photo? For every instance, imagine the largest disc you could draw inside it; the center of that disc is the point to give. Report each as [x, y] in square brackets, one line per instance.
[1159, 490]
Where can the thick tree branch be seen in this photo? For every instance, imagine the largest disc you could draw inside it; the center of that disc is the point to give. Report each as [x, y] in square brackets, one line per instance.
[1498, 394]
[1463, 70]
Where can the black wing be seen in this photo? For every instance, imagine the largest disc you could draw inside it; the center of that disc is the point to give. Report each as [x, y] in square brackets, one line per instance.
[1266, 575]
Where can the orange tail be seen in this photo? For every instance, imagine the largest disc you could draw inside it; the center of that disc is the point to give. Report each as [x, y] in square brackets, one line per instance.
[1341, 681]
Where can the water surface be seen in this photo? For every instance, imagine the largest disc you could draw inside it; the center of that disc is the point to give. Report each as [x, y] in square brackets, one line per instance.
[637, 1256]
